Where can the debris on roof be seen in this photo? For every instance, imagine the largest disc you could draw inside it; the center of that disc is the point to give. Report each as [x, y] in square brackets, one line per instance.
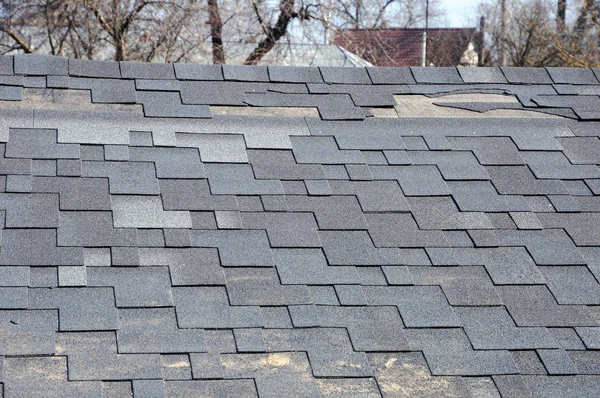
[196, 230]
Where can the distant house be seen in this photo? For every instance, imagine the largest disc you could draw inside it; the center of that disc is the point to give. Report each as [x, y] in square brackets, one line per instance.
[286, 54]
[402, 47]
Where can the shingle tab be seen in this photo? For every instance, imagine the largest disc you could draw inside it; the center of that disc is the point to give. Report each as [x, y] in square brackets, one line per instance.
[481, 75]
[572, 76]
[198, 72]
[295, 74]
[146, 70]
[383, 75]
[446, 75]
[37, 64]
[345, 75]
[246, 73]
[526, 75]
[105, 69]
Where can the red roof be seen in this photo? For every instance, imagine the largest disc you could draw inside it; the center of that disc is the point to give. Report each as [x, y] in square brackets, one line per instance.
[402, 47]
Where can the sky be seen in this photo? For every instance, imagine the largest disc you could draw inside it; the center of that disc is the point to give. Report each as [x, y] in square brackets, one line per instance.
[461, 13]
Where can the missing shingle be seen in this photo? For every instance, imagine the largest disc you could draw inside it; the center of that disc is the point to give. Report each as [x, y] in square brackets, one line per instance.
[384, 112]
[264, 111]
[422, 106]
[477, 97]
[49, 98]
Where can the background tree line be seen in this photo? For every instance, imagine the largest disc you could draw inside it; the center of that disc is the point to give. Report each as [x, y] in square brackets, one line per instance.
[536, 33]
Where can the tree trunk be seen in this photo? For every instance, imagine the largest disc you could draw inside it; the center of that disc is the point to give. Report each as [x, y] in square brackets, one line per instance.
[561, 15]
[216, 27]
[273, 33]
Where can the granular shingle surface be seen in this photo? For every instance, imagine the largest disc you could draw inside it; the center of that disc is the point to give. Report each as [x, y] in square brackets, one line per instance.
[182, 235]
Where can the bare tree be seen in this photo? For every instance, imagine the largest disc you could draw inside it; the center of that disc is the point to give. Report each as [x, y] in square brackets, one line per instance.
[184, 30]
[116, 18]
[272, 32]
[540, 34]
[216, 27]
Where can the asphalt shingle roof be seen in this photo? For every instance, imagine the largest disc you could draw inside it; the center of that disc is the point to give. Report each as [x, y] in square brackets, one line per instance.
[163, 240]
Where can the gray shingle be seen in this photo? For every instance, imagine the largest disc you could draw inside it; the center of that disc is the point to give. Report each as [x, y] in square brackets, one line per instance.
[198, 72]
[284, 229]
[412, 372]
[526, 75]
[134, 287]
[356, 248]
[124, 177]
[331, 212]
[295, 74]
[79, 308]
[261, 286]
[155, 330]
[246, 73]
[177, 237]
[309, 266]
[414, 180]
[445, 75]
[182, 389]
[42, 250]
[39, 376]
[304, 316]
[148, 388]
[275, 164]
[193, 195]
[572, 76]
[26, 332]
[74, 230]
[39, 144]
[205, 366]
[6, 65]
[383, 133]
[567, 338]
[557, 362]
[87, 68]
[249, 340]
[236, 247]
[168, 104]
[535, 306]
[401, 230]
[383, 75]
[72, 276]
[376, 196]
[481, 75]
[345, 75]
[215, 148]
[238, 179]
[322, 150]
[107, 91]
[329, 350]
[76, 193]
[146, 70]
[441, 213]
[370, 329]
[448, 352]
[547, 247]
[37, 64]
[572, 285]
[491, 328]
[463, 286]
[419, 306]
[93, 356]
[170, 162]
[124, 256]
[208, 307]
